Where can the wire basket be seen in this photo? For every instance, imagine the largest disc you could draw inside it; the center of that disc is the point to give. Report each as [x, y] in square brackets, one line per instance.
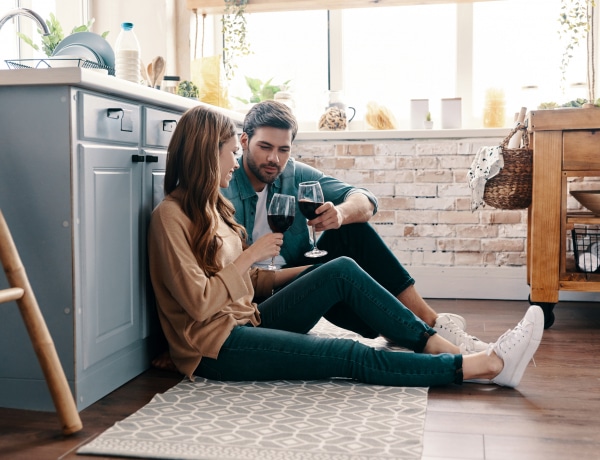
[512, 187]
[56, 62]
[586, 249]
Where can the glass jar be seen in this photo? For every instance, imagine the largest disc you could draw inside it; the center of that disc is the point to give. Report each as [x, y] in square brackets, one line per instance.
[494, 111]
[286, 97]
[169, 83]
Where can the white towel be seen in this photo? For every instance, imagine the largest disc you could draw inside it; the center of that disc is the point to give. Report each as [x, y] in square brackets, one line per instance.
[487, 163]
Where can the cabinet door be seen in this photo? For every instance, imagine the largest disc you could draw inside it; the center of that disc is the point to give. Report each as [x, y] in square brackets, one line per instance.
[110, 199]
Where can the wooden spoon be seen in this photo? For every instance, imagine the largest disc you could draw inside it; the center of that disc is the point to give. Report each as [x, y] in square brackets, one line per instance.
[150, 72]
[144, 72]
[158, 66]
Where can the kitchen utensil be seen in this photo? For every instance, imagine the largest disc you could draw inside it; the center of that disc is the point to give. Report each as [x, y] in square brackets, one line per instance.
[160, 72]
[93, 41]
[66, 60]
[158, 69]
[590, 199]
[150, 72]
[79, 51]
[144, 72]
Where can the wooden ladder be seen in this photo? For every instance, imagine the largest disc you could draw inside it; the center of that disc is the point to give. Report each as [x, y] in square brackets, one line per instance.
[20, 291]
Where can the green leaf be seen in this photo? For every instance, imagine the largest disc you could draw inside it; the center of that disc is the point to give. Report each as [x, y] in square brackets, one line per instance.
[56, 35]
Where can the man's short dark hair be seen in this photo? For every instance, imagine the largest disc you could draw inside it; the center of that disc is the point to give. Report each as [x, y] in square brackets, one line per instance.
[271, 114]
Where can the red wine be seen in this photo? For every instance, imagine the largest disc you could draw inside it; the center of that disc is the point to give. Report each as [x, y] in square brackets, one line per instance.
[280, 223]
[308, 208]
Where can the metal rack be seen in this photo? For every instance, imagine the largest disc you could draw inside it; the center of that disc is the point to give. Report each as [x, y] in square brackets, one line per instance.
[56, 62]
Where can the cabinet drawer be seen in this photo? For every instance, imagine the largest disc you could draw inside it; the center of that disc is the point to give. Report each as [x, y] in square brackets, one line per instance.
[105, 119]
[581, 150]
[159, 126]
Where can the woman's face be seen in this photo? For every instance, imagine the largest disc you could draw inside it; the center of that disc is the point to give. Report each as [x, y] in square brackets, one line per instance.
[228, 160]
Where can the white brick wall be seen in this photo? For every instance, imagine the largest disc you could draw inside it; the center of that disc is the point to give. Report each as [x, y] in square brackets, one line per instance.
[424, 200]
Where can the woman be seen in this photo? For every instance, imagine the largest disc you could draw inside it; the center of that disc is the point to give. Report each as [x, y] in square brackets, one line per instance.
[204, 283]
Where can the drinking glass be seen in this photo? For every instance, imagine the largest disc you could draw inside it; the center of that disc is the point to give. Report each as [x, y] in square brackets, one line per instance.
[280, 216]
[310, 197]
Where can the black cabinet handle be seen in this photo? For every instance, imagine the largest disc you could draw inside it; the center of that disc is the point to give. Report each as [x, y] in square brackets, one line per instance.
[151, 159]
[124, 115]
[114, 113]
[137, 158]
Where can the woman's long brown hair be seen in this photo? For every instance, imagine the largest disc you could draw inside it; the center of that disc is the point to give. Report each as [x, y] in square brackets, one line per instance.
[193, 168]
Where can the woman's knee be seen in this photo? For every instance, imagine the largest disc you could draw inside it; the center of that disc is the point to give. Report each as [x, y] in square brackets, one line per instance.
[344, 264]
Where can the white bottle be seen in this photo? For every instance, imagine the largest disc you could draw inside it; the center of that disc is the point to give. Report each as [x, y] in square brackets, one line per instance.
[127, 55]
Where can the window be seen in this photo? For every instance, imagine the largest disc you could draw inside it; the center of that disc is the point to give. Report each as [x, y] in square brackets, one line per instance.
[516, 46]
[287, 46]
[393, 54]
[12, 47]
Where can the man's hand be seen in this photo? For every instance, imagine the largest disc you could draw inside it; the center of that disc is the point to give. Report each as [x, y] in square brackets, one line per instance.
[329, 218]
[356, 209]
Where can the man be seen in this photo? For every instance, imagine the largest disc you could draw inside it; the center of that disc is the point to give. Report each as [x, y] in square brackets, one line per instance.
[267, 168]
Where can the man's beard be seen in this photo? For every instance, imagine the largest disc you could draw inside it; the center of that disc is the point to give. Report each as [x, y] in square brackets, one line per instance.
[259, 173]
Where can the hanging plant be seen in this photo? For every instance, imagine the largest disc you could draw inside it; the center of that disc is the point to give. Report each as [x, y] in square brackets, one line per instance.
[577, 26]
[235, 42]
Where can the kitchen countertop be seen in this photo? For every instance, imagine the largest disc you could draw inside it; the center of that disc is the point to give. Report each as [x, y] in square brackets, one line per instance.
[93, 80]
[109, 85]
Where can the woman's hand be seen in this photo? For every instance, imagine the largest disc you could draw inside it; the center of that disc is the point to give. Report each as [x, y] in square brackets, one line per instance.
[265, 247]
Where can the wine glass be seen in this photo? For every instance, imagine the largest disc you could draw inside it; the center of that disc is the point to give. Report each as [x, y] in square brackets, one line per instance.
[280, 216]
[310, 197]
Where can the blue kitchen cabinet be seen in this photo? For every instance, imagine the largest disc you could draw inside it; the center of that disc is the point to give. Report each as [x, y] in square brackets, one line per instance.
[80, 173]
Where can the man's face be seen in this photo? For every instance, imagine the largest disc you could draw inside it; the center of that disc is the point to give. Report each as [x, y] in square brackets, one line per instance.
[266, 154]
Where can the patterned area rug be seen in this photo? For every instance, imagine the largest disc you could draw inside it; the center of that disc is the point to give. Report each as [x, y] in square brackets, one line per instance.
[309, 420]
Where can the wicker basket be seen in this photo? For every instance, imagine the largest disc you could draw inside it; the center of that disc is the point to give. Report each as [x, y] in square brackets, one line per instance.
[511, 188]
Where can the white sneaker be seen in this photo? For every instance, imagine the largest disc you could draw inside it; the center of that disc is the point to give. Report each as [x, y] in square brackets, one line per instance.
[458, 320]
[447, 327]
[516, 347]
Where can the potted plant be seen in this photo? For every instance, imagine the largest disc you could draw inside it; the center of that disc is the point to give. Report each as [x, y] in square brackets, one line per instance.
[187, 89]
[261, 91]
[428, 123]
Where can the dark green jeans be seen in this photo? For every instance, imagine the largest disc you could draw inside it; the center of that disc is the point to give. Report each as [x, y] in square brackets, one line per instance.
[280, 349]
[363, 244]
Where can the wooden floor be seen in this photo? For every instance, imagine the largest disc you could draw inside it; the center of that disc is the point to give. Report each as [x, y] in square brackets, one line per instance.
[554, 414]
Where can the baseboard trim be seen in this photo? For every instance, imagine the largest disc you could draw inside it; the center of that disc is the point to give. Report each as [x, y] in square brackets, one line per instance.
[497, 283]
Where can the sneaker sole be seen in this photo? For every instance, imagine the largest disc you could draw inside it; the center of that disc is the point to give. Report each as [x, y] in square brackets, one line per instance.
[536, 338]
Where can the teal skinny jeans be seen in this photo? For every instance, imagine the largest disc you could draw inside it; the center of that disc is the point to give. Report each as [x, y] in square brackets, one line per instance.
[281, 349]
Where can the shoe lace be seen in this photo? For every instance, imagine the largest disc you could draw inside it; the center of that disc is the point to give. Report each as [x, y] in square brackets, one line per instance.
[463, 338]
[510, 338]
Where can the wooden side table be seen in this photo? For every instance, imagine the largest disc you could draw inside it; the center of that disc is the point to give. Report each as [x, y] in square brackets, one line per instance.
[566, 143]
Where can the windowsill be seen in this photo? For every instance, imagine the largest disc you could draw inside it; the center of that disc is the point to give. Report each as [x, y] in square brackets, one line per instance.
[400, 134]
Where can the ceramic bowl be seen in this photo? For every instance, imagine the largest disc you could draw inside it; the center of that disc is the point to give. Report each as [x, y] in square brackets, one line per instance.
[81, 51]
[589, 199]
[92, 41]
[65, 60]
